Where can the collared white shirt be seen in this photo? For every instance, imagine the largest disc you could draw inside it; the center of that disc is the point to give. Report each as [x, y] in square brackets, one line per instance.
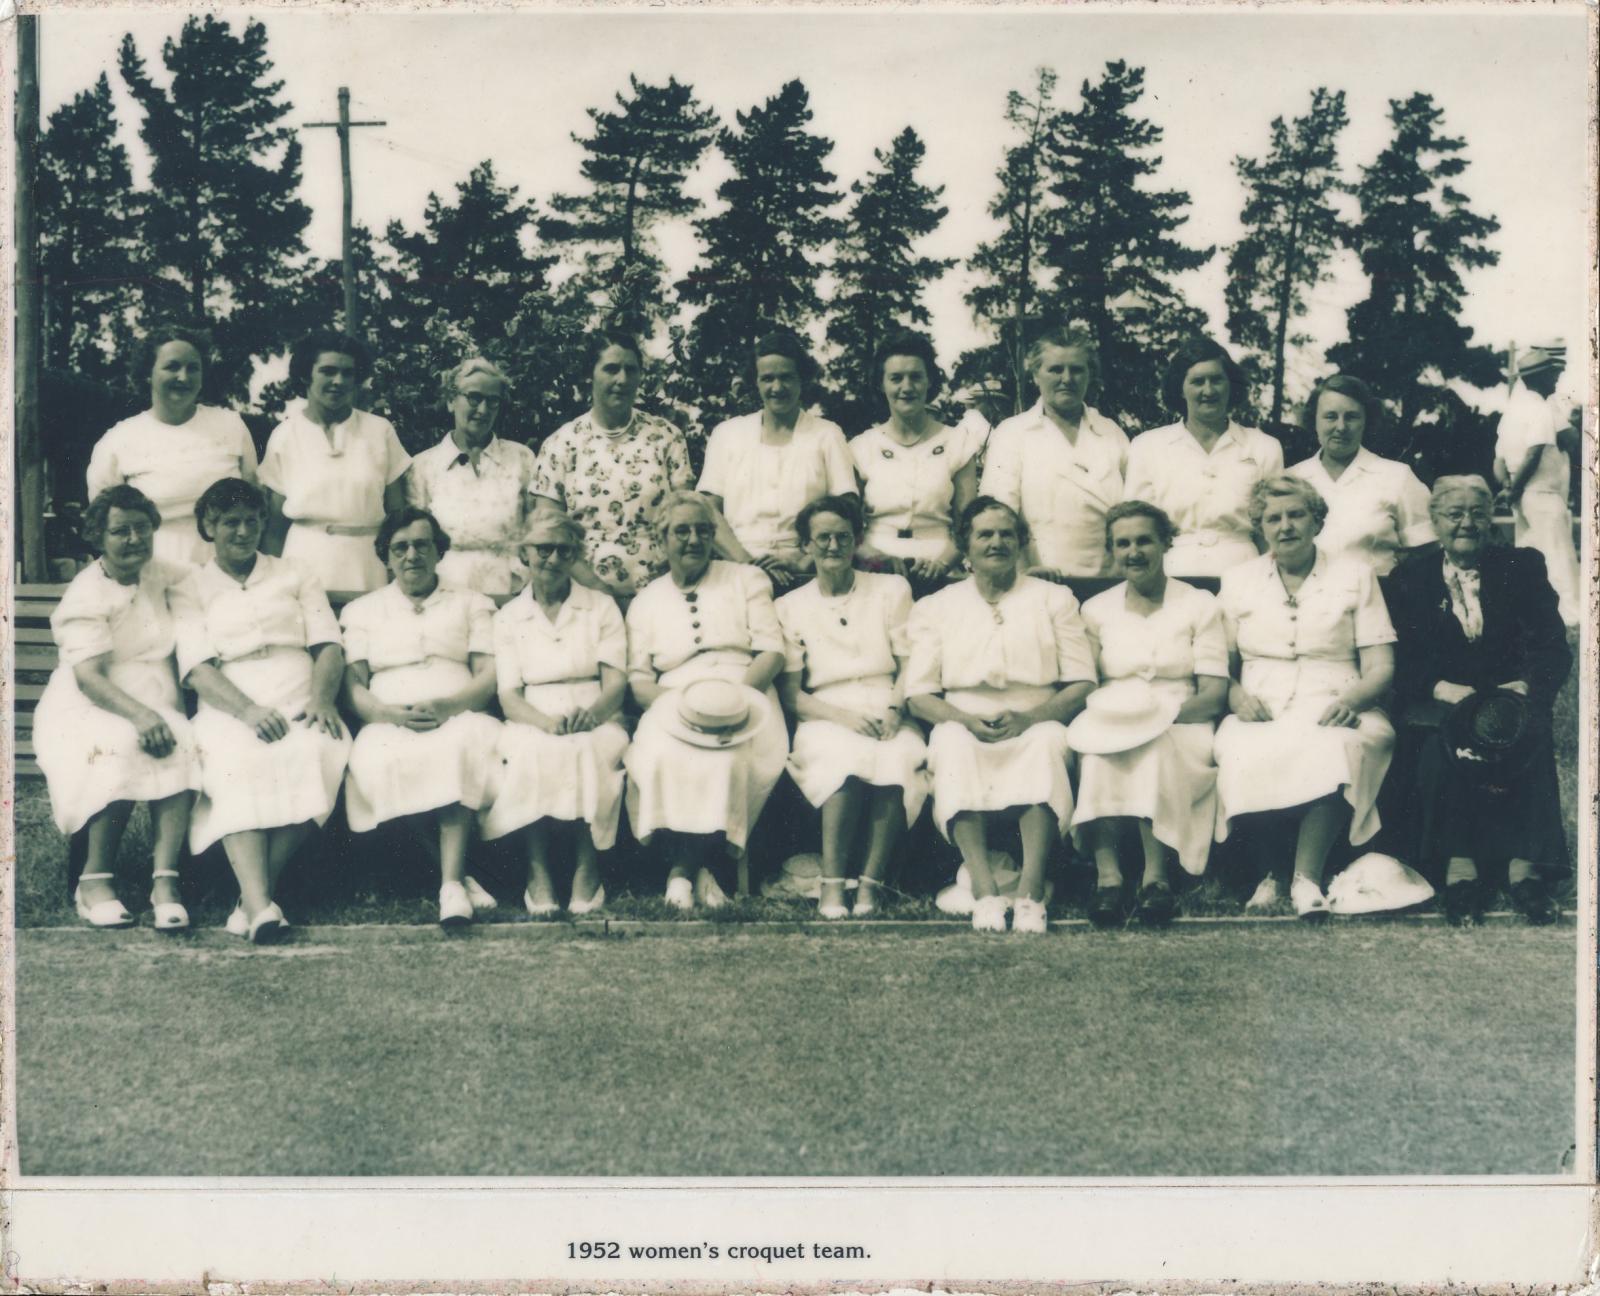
[831, 638]
[337, 476]
[386, 629]
[530, 648]
[173, 463]
[479, 505]
[908, 490]
[1376, 508]
[729, 609]
[1033, 636]
[278, 605]
[1531, 420]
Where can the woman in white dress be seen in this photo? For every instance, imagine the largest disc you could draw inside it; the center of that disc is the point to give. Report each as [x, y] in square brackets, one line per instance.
[999, 664]
[846, 643]
[705, 620]
[917, 474]
[1167, 636]
[109, 730]
[258, 643]
[177, 447]
[1377, 509]
[1200, 471]
[761, 469]
[1060, 464]
[561, 655]
[332, 471]
[1312, 648]
[419, 673]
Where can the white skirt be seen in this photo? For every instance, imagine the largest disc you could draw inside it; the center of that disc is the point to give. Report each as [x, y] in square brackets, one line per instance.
[247, 784]
[826, 754]
[1207, 553]
[1170, 781]
[1293, 761]
[1543, 522]
[969, 775]
[687, 789]
[573, 777]
[91, 757]
[395, 771]
[339, 562]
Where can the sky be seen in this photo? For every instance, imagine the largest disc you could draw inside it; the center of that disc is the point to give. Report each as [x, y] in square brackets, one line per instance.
[453, 89]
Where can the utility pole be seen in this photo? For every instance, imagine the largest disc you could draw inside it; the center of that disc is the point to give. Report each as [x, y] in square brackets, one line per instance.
[30, 453]
[352, 313]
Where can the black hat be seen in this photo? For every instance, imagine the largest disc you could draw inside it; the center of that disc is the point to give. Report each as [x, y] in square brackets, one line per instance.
[1490, 737]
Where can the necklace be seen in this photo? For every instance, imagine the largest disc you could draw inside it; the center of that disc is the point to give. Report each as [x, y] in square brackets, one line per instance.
[994, 604]
[839, 604]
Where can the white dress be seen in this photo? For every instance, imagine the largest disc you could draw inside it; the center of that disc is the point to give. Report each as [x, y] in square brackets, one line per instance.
[844, 648]
[481, 508]
[1541, 517]
[556, 667]
[908, 490]
[1376, 508]
[90, 756]
[1297, 658]
[1207, 495]
[763, 487]
[173, 463]
[336, 484]
[1170, 781]
[1062, 490]
[986, 660]
[258, 634]
[416, 654]
[673, 784]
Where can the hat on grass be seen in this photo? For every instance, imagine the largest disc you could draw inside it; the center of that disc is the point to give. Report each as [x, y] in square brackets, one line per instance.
[800, 878]
[716, 713]
[1377, 884]
[1121, 716]
[1490, 737]
[957, 897]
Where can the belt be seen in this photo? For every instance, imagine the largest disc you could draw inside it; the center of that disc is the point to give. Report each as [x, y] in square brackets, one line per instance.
[267, 650]
[341, 528]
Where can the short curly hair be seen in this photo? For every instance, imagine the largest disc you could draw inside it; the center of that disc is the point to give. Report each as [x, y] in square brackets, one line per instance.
[1075, 338]
[220, 496]
[846, 506]
[92, 526]
[908, 342]
[144, 353]
[1194, 351]
[677, 499]
[1353, 388]
[597, 341]
[303, 357]
[451, 379]
[398, 521]
[788, 344]
[982, 504]
[1283, 484]
[1166, 528]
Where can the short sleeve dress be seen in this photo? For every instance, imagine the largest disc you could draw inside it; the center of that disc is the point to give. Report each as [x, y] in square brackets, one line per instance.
[909, 490]
[258, 632]
[1541, 517]
[1298, 655]
[613, 483]
[1170, 781]
[417, 652]
[481, 508]
[555, 665]
[1376, 508]
[173, 463]
[844, 648]
[91, 757]
[984, 660]
[712, 631]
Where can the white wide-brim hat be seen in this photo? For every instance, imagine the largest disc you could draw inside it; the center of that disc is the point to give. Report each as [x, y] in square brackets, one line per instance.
[716, 714]
[800, 877]
[1376, 884]
[1121, 716]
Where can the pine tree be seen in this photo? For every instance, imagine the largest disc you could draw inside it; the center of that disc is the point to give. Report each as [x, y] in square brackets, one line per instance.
[1415, 237]
[879, 277]
[1008, 266]
[223, 223]
[761, 257]
[1292, 230]
[1113, 243]
[638, 159]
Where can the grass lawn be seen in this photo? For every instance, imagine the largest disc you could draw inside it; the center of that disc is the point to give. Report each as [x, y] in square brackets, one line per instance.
[1376, 1048]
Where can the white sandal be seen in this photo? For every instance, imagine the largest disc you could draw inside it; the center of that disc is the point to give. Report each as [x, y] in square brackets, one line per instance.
[865, 905]
[832, 910]
[170, 914]
[101, 913]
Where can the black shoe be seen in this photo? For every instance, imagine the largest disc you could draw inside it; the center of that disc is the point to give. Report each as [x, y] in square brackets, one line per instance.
[1106, 909]
[1531, 898]
[1156, 905]
[1461, 903]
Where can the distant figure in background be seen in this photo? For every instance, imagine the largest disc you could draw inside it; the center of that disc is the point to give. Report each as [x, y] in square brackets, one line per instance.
[1536, 473]
[177, 447]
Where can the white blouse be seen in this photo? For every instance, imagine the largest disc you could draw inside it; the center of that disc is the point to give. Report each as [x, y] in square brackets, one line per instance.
[1182, 638]
[1376, 508]
[729, 610]
[386, 630]
[763, 487]
[277, 606]
[98, 616]
[846, 637]
[1207, 495]
[173, 463]
[333, 481]
[479, 507]
[1032, 636]
[531, 649]
[909, 489]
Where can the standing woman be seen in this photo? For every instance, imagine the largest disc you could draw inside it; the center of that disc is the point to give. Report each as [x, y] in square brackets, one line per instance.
[476, 485]
[1060, 465]
[610, 468]
[999, 664]
[1377, 509]
[917, 474]
[846, 645]
[177, 447]
[419, 674]
[1200, 472]
[332, 471]
[561, 655]
[110, 729]
[761, 469]
[259, 645]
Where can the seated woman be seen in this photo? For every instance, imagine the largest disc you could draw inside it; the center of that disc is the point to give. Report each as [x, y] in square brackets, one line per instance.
[846, 646]
[1165, 639]
[704, 759]
[1311, 643]
[259, 645]
[999, 664]
[560, 655]
[109, 730]
[419, 673]
[1482, 618]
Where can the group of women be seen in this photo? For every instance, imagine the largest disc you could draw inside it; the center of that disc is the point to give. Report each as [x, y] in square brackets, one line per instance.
[900, 598]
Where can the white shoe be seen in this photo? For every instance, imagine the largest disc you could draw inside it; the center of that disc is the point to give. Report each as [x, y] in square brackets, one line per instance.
[170, 915]
[539, 908]
[100, 913]
[267, 926]
[680, 893]
[455, 905]
[480, 898]
[238, 923]
[866, 905]
[1309, 900]
[989, 914]
[838, 909]
[596, 901]
[708, 891]
[1028, 916]
[1267, 894]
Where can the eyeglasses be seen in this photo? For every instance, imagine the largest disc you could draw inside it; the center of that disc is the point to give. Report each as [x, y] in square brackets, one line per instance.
[548, 551]
[1455, 517]
[475, 399]
[832, 540]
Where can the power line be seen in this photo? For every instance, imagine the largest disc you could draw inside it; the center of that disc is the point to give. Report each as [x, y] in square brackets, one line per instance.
[352, 320]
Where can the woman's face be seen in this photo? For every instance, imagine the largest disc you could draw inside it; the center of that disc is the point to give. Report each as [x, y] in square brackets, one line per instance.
[332, 390]
[905, 385]
[414, 557]
[1206, 390]
[995, 543]
[1341, 423]
[175, 376]
[475, 407]
[832, 543]
[1288, 528]
[778, 381]
[1062, 376]
[689, 537]
[550, 556]
[616, 383]
[1136, 548]
[1462, 520]
[128, 541]
[236, 534]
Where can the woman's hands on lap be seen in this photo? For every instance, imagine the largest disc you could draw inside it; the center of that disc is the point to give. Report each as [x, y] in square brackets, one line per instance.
[324, 716]
[155, 738]
[1247, 706]
[268, 724]
[1340, 714]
